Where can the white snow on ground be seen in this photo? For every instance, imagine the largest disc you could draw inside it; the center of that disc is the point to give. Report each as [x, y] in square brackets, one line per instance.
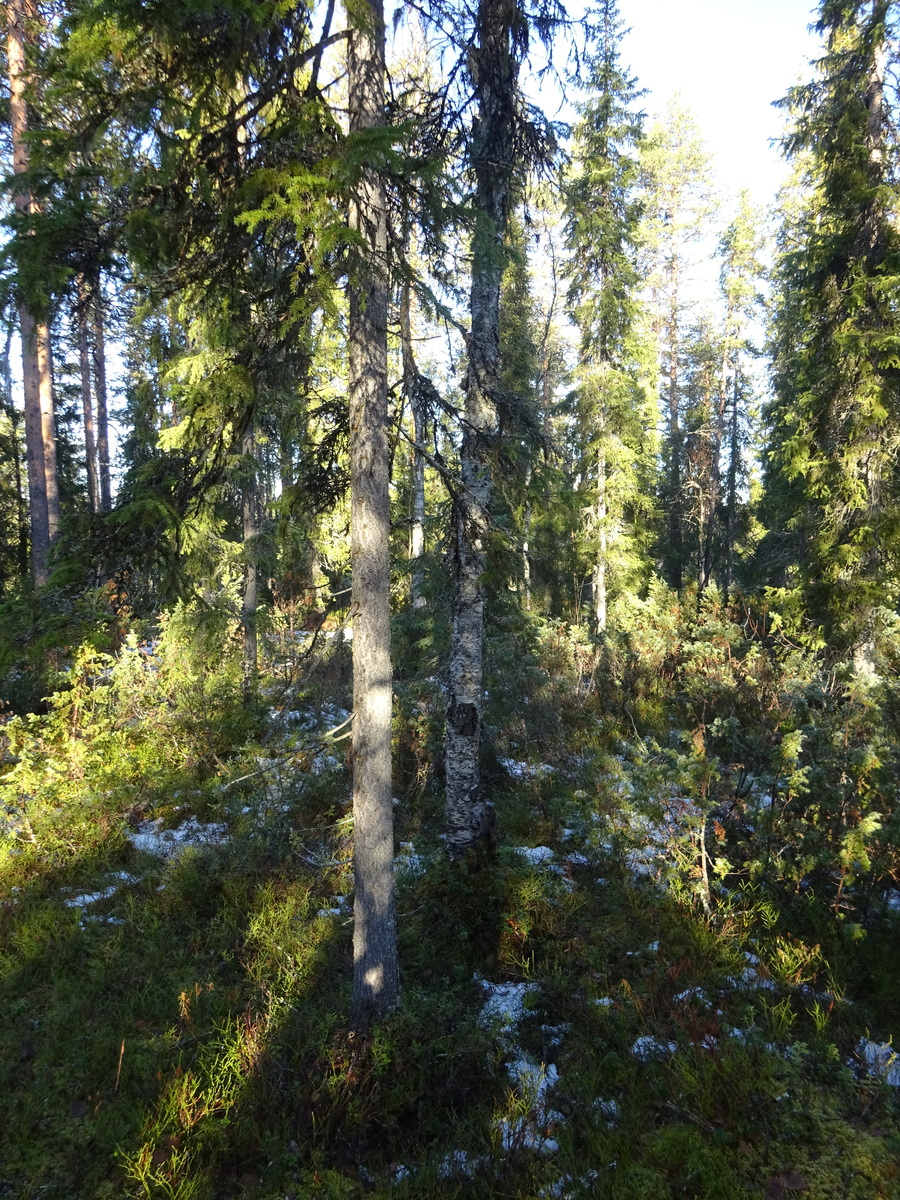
[607, 1109]
[340, 909]
[881, 1059]
[152, 838]
[650, 1049]
[538, 856]
[655, 838]
[409, 861]
[523, 770]
[505, 1005]
[692, 993]
[502, 1012]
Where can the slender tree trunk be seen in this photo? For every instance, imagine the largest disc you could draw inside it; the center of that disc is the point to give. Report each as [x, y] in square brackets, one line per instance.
[250, 522]
[21, 506]
[676, 541]
[100, 391]
[493, 70]
[87, 406]
[731, 499]
[603, 546]
[526, 548]
[376, 978]
[40, 443]
[417, 481]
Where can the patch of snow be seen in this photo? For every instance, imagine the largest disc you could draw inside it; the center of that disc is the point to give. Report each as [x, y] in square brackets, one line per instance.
[151, 838]
[609, 1110]
[86, 899]
[556, 1033]
[650, 1049]
[538, 856]
[881, 1059]
[458, 1162]
[339, 909]
[751, 978]
[505, 1005]
[523, 770]
[408, 860]
[692, 993]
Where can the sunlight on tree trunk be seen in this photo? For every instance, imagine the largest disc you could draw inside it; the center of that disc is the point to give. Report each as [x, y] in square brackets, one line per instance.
[376, 980]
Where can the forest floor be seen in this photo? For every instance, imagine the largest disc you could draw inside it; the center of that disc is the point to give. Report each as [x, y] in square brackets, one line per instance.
[175, 973]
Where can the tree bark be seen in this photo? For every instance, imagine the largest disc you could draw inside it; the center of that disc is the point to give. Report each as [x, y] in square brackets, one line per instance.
[493, 71]
[87, 406]
[417, 463]
[40, 443]
[100, 391]
[250, 523]
[602, 546]
[376, 979]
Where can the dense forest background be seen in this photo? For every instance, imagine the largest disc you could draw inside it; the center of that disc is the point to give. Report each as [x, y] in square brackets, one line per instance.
[431, 526]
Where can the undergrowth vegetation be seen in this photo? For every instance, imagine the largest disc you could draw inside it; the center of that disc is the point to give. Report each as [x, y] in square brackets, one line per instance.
[676, 980]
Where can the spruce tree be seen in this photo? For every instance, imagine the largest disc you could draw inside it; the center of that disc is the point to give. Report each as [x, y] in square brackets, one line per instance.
[677, 207]
[603, 213]
[832, 485]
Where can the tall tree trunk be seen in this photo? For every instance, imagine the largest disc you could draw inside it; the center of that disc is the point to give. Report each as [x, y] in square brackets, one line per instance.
[40, 442]
[676, 538]
[731, 498]
[376, 978]
[250, 523]
[87, 406]
[21, 506]
[493, 71]
[100, 391]
[417, 463]
[603, 545]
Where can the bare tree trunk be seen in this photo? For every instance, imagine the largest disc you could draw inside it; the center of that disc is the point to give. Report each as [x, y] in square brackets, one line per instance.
[87, 407]
[526, 549]
[21, 507]
[101, 394]
[676, 543]
[250, 523]
[40, 444]
[493, 70]
[376, 978]
[603, 546]
[731, 499]
[417, 481]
